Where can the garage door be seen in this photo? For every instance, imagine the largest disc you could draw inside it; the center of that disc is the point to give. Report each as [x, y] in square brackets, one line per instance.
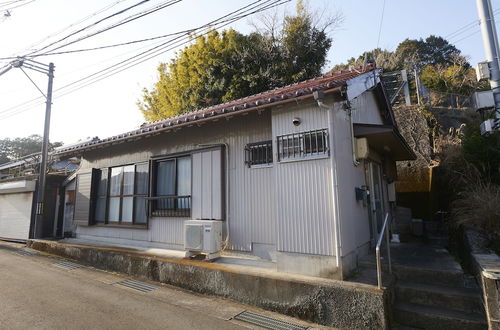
[15, 215]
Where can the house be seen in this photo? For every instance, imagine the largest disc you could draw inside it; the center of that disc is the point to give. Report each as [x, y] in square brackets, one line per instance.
[18, 196]
[301, 175]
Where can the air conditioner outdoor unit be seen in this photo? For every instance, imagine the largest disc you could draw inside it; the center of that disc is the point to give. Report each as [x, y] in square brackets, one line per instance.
[203, 237]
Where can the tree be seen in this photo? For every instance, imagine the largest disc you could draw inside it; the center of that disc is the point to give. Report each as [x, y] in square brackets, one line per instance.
[410, 54]
[383, 58]
[431, 51]
[457, 77]
[12, 149]
[219, 67]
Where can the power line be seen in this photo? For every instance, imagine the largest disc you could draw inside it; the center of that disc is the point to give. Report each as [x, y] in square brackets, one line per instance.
[466, 28]
[380, 26]
[53, 34]
[91, 25]
[2, 7]
[243, 12]
[173, 43]
[103, 47]
[129, 19]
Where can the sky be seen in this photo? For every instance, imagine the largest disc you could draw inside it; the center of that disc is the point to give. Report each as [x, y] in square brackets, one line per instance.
[108, 107]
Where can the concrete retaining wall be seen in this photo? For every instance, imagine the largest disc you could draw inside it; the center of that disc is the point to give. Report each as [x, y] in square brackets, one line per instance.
[486, 267]
[333, 303]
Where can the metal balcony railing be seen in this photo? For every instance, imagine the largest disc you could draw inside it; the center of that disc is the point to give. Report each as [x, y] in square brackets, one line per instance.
[170, 206]
[383, 232]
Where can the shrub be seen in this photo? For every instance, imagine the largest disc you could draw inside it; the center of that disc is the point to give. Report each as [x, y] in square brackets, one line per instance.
[479, 206]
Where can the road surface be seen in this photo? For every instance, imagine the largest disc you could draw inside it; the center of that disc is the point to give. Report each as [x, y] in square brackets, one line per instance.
[34, 293]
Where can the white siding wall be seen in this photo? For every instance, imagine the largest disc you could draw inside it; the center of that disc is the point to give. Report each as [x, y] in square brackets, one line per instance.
[168, 231]
[355, 227]
[207, 189]
[251, 190]
[304, 209]
[355, 230]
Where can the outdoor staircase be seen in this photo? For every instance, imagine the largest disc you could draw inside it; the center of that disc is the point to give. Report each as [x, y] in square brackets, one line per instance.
[430, 291]
[436, 302]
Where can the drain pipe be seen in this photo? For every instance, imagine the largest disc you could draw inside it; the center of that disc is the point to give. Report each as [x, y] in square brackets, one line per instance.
[353, 141]
[319, 97]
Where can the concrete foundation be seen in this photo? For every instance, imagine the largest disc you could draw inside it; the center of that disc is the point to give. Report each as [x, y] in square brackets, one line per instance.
[323, 301]
[307, 264]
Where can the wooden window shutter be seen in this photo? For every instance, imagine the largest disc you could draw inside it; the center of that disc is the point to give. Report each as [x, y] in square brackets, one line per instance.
[84, 198]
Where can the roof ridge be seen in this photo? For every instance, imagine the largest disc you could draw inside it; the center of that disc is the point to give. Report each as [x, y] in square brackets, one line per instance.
[255, 101]
[327, 76]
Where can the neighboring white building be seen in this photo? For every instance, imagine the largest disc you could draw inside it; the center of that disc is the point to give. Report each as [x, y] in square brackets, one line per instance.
[18, 184]
[278, 168]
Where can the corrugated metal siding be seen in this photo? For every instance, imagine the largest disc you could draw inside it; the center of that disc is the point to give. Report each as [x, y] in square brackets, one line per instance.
[304, 210]
[251, 191]
[207, 185]
[167, 230]
[15, 215]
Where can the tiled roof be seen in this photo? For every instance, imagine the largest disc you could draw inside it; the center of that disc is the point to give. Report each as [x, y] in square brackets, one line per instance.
[253, 102]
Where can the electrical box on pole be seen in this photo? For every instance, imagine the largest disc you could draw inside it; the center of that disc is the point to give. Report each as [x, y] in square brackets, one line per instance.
[483, 70]
[489, 69]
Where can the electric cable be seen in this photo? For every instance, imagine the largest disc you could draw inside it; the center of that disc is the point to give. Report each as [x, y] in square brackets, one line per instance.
[80, 21]
[380, 25]
[29, 104]
[92, 25]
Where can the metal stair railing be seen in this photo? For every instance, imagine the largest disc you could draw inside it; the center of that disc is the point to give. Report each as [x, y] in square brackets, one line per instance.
[384, 232]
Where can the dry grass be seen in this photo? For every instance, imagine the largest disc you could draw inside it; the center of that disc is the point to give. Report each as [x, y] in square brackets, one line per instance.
[479, 205]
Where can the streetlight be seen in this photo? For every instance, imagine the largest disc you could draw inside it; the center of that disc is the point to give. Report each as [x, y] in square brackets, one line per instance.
[49, 70]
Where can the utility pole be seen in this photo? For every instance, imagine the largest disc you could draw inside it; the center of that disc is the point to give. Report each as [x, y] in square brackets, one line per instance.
[490, 41]
[43, 161]
[21, 63]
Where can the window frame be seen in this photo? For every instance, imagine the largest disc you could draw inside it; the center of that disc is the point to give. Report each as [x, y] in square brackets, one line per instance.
[267, 145]
[300, 150]
[153, 197]
[107, 196]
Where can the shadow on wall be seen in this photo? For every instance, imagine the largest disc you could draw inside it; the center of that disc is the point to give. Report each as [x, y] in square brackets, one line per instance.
[416, 189]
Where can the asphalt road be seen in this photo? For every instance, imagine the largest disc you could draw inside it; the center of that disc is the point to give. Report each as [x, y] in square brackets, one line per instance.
[35, 294]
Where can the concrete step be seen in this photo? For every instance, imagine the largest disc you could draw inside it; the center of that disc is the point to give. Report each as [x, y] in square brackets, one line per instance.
[437, 240]
[459, 299]
[425, 317]
[449, 278]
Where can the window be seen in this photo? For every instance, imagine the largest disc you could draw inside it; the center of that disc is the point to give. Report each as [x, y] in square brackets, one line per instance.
[172, 191]
[303, 145]
[121, 194]
[259, 153]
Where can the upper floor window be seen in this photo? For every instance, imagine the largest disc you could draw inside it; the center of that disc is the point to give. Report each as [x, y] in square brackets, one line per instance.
[303, 145]
[172, 190]
[121, 194]
[259, 153]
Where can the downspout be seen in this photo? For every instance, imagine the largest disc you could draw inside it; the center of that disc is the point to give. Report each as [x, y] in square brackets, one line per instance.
[353, 141]
[319, 97]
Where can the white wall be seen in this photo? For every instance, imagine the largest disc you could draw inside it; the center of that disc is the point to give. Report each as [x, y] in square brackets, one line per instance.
[251, 194]
[355, 227]
[304, 210]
